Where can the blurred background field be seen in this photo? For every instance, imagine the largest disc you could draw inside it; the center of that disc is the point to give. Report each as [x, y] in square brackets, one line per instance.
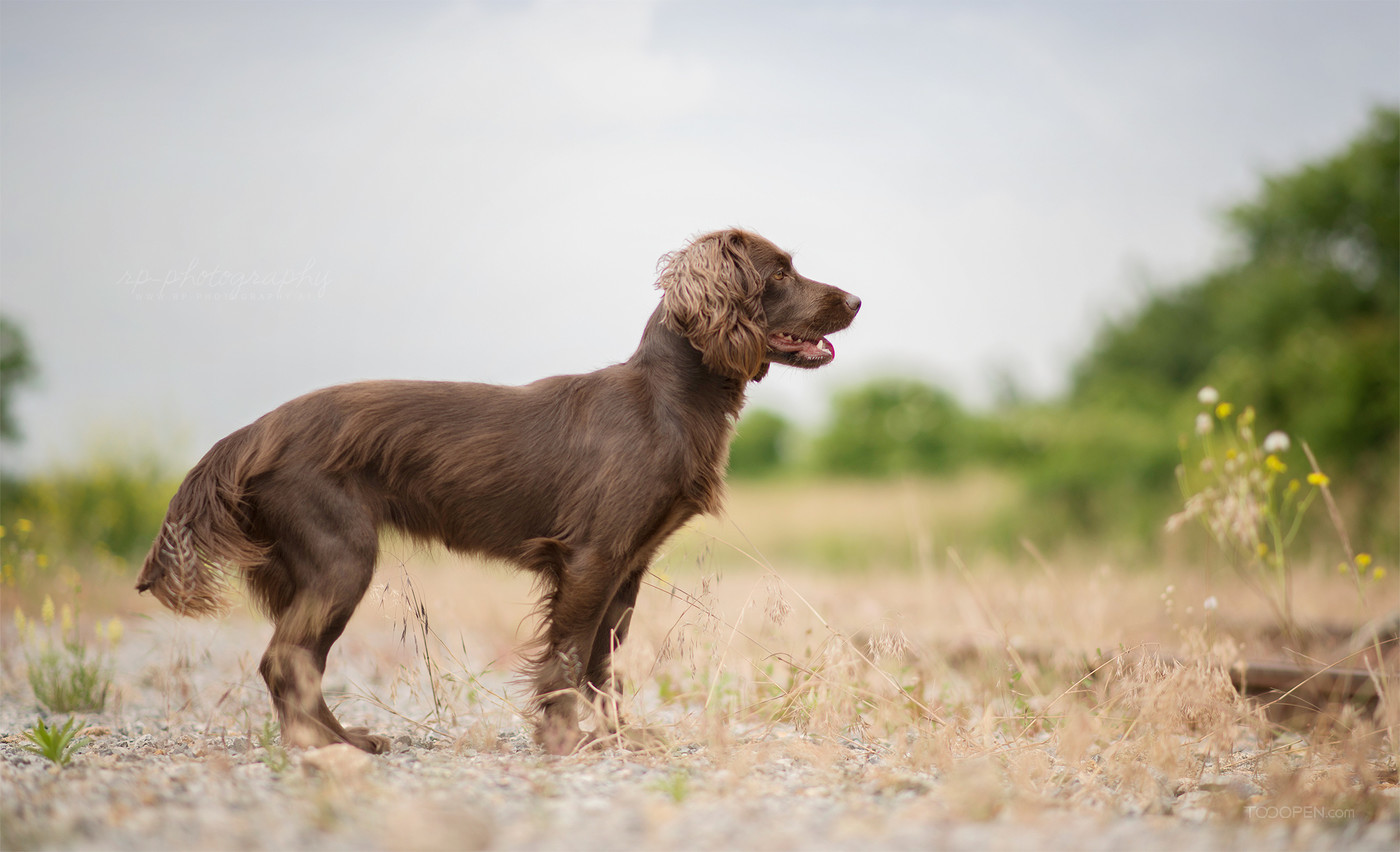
[1302, 323]
[1300, 326]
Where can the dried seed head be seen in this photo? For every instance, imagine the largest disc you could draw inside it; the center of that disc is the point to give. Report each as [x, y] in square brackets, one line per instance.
[777, 608]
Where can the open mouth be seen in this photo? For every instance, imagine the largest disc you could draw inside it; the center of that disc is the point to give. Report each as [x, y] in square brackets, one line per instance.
[800, 352]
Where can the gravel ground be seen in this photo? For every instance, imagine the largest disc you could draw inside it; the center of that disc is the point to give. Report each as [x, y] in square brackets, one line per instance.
[175, 763]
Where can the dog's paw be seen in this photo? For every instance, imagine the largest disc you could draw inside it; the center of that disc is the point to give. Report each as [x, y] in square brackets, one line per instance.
[558, 737]
[363, 740]
[630, 737]
[644, 738]
[307, 735]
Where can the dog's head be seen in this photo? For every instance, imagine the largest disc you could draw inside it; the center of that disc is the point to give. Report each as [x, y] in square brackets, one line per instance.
[739, 301]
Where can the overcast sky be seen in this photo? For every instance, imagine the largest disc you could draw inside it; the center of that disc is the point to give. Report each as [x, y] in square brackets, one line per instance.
[209, 208]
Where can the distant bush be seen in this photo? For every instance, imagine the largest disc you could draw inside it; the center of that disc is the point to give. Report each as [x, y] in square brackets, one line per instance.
[1094, 471]
[893, 426]
[114, 503]
[762, 444]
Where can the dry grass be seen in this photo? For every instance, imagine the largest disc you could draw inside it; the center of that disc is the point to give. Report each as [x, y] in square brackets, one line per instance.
[1023, 686]
[974, 687]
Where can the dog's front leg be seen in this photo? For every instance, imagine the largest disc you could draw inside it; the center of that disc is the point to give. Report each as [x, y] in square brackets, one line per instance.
[604, 687]
[576, 611]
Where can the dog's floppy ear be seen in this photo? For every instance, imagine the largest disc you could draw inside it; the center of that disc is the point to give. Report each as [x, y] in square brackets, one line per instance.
[713, 295]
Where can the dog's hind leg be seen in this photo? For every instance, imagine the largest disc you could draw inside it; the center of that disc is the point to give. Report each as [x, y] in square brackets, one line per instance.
[320, 568]
[294, 665]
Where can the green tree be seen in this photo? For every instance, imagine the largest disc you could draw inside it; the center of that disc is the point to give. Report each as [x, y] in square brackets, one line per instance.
[1304, 324]
[16, 369]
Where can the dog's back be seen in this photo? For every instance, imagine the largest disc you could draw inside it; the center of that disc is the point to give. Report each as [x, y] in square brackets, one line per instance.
[482, 469]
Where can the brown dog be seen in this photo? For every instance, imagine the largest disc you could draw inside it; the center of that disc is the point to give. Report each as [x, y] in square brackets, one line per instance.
[577, 478]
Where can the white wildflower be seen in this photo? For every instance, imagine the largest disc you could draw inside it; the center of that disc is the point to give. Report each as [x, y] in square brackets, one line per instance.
[1208, 395]
[1276, 442]
[1211, 603]
[1204, 424]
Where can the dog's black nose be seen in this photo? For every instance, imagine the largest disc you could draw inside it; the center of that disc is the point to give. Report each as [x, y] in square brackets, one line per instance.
[853, 302]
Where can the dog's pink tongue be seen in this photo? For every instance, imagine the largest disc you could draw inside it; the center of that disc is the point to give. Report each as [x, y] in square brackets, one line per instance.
[821, 349]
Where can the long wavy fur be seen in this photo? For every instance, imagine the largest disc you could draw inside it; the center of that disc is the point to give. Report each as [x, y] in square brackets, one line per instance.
[713, 295]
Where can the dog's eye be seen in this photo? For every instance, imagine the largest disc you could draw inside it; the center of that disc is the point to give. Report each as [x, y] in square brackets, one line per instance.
[779, 275]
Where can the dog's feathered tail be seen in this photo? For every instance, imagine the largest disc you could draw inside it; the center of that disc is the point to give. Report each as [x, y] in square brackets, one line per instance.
[204, 542]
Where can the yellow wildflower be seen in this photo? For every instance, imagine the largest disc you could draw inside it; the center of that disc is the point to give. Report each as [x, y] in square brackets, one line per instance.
[1378, 573]
[1262, 549]
[24, 525]
[46, 611]
[1319, 479]
[41, 560]
[20, 620]
[1343, 568]
[1223, 410]
[2, 532]
[1293, 486]
[1273, 464]
[1363, 560]
[114, 630]
[65, 618]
